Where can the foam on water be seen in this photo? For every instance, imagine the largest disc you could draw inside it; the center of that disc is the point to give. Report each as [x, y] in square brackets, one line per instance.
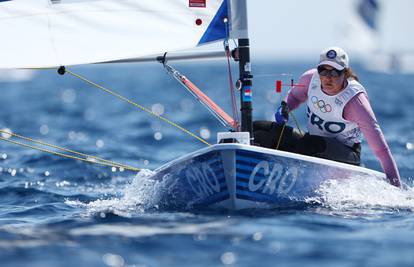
[364, 194]
[139, 195]
[358, 194]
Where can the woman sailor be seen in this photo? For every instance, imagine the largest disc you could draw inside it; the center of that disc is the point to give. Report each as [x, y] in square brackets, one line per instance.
[338, 110]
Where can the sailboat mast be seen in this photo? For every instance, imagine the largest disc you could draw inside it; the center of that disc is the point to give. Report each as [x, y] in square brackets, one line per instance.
[246, 86]
[240, 29]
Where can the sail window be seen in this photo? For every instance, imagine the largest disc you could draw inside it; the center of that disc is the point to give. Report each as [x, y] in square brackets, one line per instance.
[197, 3]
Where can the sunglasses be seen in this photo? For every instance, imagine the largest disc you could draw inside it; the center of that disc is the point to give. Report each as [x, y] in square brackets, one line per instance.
[329, 73]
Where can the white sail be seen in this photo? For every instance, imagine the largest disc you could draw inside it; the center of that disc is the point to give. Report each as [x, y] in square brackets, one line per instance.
[50, 33]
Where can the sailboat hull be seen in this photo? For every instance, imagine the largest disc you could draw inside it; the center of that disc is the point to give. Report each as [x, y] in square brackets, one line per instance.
[236, 176]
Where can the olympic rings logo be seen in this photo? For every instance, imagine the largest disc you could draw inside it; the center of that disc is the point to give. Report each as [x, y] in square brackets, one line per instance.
[320, 104]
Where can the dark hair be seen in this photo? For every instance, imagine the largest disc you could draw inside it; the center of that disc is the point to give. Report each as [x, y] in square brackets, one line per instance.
[350, 74]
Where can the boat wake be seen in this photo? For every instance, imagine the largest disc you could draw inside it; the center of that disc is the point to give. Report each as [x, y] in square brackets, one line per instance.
[355, 196]
[363, 196]
[138, 196]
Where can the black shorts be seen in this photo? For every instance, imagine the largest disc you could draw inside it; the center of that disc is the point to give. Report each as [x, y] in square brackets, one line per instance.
[266, 134]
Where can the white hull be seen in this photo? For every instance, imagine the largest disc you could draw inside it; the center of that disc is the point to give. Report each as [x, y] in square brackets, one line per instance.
[236, 176]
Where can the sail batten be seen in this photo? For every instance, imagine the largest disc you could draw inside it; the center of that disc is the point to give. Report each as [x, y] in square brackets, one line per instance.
[44, 33]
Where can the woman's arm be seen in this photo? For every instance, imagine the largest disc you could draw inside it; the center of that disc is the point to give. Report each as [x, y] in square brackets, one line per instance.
[359, 110]
[299, 94]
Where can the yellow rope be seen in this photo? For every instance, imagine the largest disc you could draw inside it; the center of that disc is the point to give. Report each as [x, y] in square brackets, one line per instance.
[98, 160]
[138, 106]
[280, 136]
[296, 122]
[63, 149]
[283, 129]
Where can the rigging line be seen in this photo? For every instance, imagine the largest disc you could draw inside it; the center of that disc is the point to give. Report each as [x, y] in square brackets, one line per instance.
[67, 150]
[280, 136]
[212, 107]
[232, 94]
[67, 156]
[232, 91]
[283, 128]
[272, 75]
[218, 117]
[234, 42]
[296, 122]
[138, 106]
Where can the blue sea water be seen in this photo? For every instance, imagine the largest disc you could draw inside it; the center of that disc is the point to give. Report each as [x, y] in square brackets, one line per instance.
[62, 212]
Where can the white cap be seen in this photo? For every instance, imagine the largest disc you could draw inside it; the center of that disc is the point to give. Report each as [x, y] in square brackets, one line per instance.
[335, 57]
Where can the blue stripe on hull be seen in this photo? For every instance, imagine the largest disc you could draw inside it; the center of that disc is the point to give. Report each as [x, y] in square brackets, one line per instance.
[248, 161]
[256, 195]
[214, 199]
[245, 164]
[253, 196]
[263, 199]
[247, 171]
[194, 181]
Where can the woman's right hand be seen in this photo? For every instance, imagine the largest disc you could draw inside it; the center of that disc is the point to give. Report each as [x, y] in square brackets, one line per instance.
[282, 114]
